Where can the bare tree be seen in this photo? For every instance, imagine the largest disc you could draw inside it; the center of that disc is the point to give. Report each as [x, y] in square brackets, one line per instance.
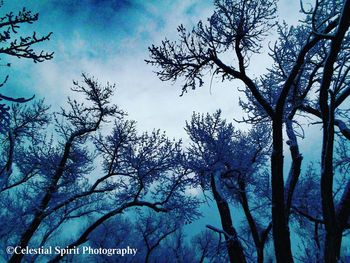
[13, 44]
[209, 247]
[154, 230]
[240, 26]
[81, 121]
[25, 125]
[226, 161]
[56, 175]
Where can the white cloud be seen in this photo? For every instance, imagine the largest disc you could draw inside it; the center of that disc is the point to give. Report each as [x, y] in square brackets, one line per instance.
[152, 103]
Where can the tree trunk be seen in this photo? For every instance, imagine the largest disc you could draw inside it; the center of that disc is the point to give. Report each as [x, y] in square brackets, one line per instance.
[280, 230]
[337, 243]
[327, 195]
[148, 256]
[234, 247]
[327, 112]
[295, 169]
[259, 245]
[342, 217]
[28, 234]
[260, 252]
[40, 213]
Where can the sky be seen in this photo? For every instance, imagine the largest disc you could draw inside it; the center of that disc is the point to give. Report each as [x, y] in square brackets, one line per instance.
[108, 39]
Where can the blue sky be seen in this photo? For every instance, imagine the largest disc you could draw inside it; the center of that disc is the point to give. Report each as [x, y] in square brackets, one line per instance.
[108, 39]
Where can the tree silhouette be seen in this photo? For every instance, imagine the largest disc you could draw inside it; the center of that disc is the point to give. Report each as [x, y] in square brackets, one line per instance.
[226, 161]
[88, 164]
[239, 27]
[13, 44]
[53, 173]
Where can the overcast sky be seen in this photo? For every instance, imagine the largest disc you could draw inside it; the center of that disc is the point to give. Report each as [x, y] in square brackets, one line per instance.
[108, 39]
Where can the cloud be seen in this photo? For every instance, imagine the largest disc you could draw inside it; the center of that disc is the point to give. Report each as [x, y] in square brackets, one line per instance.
[109, 40]
[118, 58]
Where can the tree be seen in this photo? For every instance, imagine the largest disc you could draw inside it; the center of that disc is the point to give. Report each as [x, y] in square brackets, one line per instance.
[55, 174]
[333, 90]
[25, 124]
[20, 47]
[332, 245]
[155, 230]
[227, 161]
[114, 233]
[209, 246]
[177, 249]
[80, 122]
[240, 27]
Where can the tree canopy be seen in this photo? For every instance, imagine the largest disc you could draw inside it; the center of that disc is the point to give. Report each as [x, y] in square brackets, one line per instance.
[86, 175]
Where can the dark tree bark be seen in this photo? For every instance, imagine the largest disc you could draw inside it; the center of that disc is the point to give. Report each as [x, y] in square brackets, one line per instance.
[280, 228]
[327, 113]
[190, 60]
[259, 245]
[101, 110]
[259, 237]
[234, 247]
[342, 216]
[40, 214]
[295, 169]
[151, 248]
